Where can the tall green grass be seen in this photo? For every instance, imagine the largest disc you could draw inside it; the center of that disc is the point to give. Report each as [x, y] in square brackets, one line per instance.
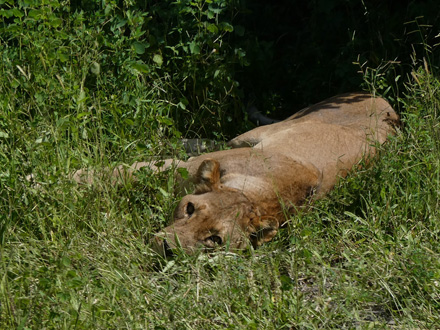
[367, 257]
[78, 257]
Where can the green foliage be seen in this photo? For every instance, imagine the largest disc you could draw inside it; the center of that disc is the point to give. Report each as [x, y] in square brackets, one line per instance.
[178, 52]
[94, 83]
[375, 238]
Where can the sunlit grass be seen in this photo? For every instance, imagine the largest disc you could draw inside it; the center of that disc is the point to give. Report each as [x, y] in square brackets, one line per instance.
[78, 256]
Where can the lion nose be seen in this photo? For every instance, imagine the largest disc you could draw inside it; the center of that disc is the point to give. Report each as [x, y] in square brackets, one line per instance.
[213, 241]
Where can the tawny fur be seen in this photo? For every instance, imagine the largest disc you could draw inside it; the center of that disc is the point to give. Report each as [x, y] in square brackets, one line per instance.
[242, 195]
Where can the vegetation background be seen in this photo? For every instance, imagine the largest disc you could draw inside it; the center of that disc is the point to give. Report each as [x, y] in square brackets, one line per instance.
[99, 83]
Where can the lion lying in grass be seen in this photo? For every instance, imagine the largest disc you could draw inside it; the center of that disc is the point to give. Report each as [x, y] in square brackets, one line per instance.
[241, 195]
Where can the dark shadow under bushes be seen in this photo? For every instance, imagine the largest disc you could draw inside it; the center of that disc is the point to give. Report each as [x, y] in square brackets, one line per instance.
[301, 52]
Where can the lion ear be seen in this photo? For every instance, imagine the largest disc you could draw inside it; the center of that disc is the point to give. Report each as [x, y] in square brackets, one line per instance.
[262, 229]
[208, 176]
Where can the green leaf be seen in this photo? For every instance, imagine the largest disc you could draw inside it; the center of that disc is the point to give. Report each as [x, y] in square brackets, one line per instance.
[215, 10]
[39, 98]
[4, 135]
[183, 173]
[85, 134]
[13, 28]
[163, 192]
[139, 47]
[63, 296]
[6, 13]
[139, 66]
[240, 52]
[82, 114]
[212, 28]
[129, 121]
[17, 13]
[226, 27]
[62, 56]
[165, 120]
[56, 22]
[15, 83]
[181, 105]
[121, 23]
[158, 59]
[194, 47]
[65, 261]
[95, 68]
[107, 10]
[81, 97]
[35, 13]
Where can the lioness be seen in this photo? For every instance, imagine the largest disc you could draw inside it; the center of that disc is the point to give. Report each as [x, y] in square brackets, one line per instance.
[242, 195]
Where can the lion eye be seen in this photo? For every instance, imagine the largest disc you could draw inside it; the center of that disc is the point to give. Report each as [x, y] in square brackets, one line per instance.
[190, 208]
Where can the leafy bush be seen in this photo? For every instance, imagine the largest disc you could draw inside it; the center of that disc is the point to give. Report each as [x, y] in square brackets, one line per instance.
[89, 84]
